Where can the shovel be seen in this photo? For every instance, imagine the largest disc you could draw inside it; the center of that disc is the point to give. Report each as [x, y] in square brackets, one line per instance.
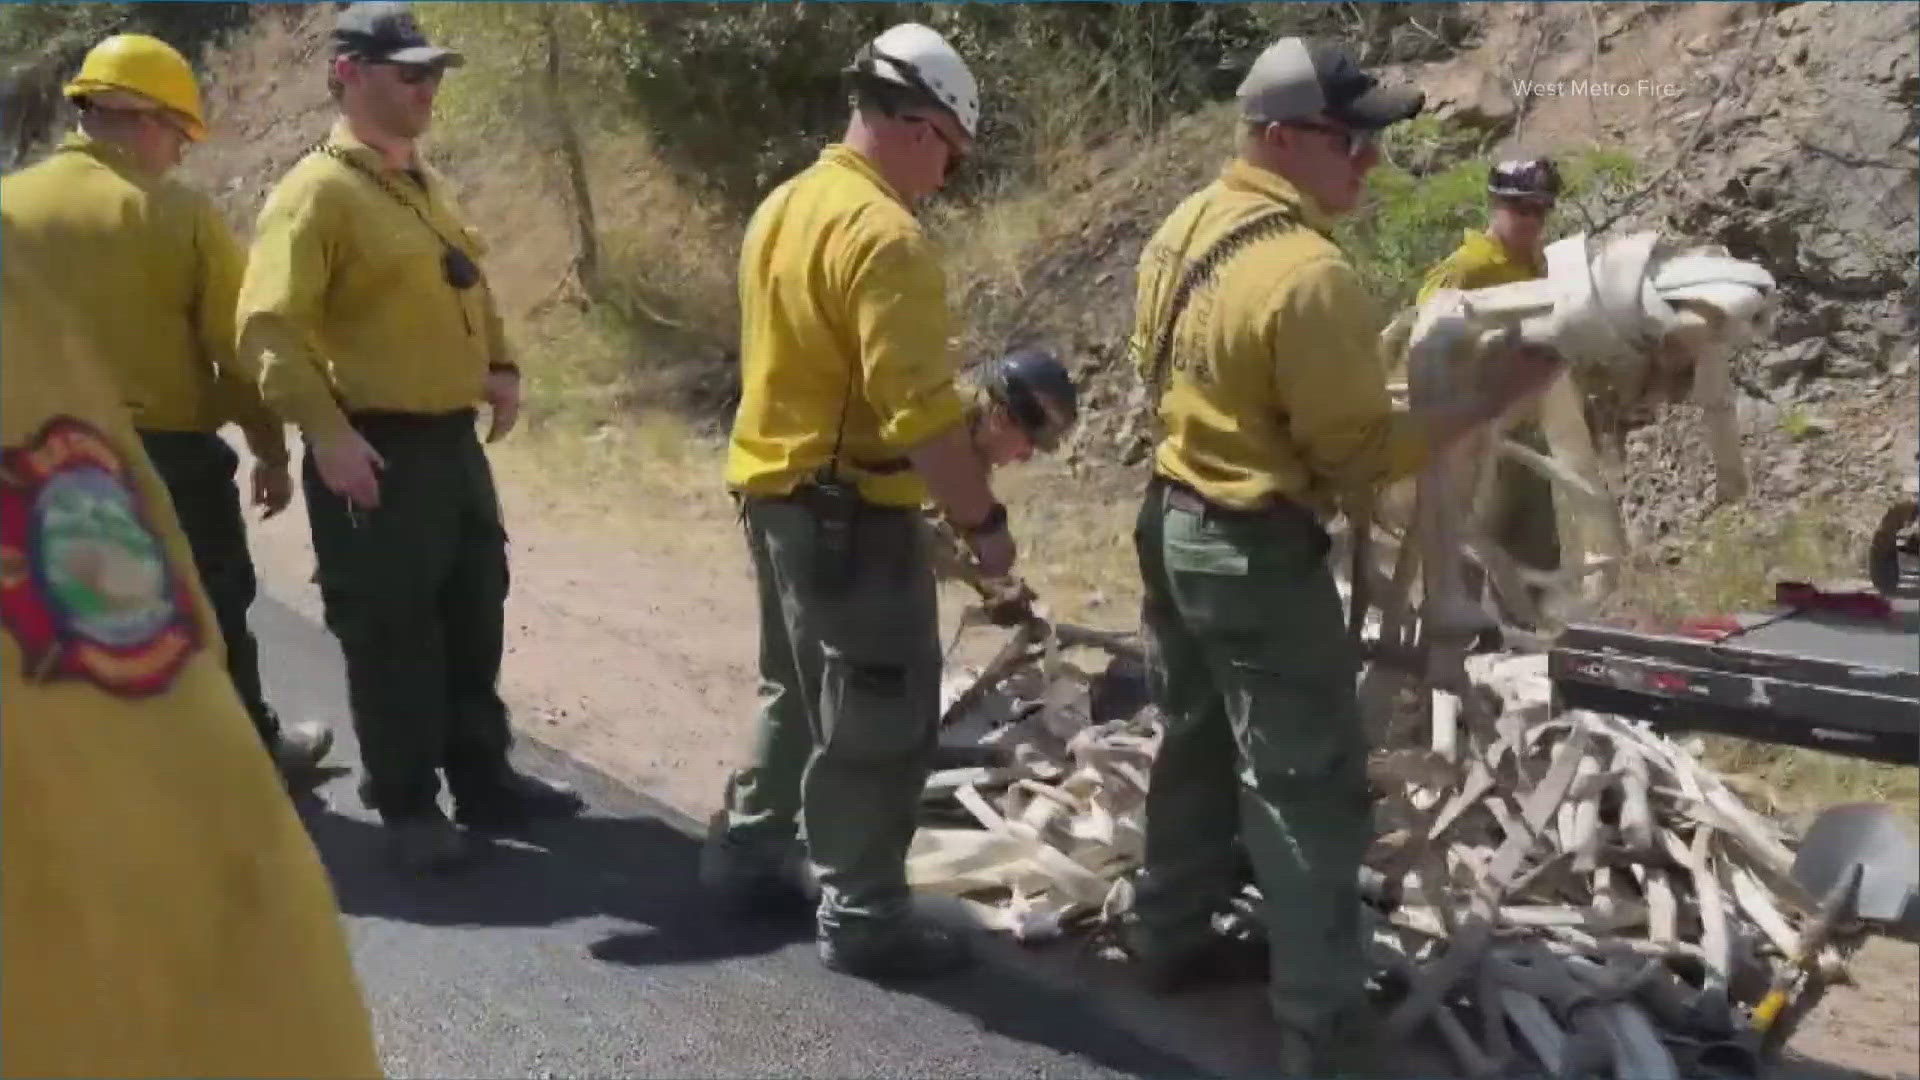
[1861, 862]
[1880, 842]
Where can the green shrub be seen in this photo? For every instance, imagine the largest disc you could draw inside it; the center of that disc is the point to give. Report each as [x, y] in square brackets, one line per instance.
[738, 96]
[1414, 220]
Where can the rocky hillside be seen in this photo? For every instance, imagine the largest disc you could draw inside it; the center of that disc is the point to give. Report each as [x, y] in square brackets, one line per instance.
[1784, 132]
[1799, 152]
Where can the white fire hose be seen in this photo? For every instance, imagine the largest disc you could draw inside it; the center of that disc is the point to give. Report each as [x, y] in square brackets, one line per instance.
[1630, 309]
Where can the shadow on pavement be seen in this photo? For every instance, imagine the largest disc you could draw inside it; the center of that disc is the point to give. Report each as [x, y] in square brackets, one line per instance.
[635, 869]
[1014, 1006]
[642, 870]
[633, 862]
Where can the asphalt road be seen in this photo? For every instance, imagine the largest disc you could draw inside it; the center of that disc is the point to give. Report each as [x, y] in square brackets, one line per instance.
[590, 951]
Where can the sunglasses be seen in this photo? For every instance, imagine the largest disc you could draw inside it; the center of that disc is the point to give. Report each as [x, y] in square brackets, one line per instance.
[955, 152]
[1528, 208]
[1029, 414]
[413, 74]
[1353, 141]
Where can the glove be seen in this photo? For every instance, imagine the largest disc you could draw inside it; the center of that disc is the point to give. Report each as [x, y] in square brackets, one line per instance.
[1010, 605]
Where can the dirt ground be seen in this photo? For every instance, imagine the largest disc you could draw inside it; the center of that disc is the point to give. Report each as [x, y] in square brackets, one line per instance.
[632, 646]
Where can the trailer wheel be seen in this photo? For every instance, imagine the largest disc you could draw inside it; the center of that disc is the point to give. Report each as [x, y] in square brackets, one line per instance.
[1893, 558]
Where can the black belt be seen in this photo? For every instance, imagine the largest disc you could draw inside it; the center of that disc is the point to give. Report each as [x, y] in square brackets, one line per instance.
[168, 435]
[889, 467]
[395, 420]
[1273, 507]
[1182, 496]
[802, 495]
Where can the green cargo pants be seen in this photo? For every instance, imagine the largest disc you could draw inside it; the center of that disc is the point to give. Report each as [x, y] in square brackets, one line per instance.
[415, 590]
[849, 707]
[198, 469]
[1263, 745]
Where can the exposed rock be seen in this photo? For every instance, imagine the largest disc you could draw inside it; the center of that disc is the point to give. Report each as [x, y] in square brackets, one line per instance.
[1473, 98]
[1795, 361]
[1850, 367]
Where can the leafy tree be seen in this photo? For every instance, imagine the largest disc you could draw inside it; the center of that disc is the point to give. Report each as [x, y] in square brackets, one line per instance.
[41, 45]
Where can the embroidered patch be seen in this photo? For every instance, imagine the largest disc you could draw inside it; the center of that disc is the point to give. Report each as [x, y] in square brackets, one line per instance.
[85, 584]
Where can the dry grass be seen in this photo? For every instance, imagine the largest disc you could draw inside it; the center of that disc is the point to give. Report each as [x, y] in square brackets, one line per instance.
[648, 477]
[1075, 542]
[1798, 783]
[1734, 560]
[267, 104]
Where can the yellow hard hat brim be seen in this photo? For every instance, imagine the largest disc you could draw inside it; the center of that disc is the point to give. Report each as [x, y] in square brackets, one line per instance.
[189, 125]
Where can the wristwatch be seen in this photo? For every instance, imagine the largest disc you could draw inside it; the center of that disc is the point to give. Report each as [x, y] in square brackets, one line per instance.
[995, 521]
[498, 367]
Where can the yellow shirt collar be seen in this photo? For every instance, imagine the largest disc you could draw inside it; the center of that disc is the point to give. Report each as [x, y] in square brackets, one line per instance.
[848, 158]
[1487, 250]
[115, 157]
[343, 137]
[1242, 175]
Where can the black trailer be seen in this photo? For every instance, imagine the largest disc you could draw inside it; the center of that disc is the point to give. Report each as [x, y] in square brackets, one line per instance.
[1845, 682]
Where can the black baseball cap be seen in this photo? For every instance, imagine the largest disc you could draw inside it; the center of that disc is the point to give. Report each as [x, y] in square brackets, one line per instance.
[386, 32]
[1300, 78]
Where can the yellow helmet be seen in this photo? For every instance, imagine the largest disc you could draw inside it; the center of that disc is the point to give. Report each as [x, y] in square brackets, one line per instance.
[148, 67]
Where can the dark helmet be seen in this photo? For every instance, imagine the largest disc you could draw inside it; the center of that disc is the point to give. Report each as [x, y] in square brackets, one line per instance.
[1025, 382]
[1536, 180]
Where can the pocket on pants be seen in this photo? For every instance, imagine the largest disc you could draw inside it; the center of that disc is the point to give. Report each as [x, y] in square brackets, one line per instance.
[1299, 724]
[1206, 552]
[1214, 586]
[873, 711]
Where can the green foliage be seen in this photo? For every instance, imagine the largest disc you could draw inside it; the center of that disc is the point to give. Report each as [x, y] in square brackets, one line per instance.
[1413, 223]
[1428, 144]
[63, 33]
[1416, 220]
[738, 96]
[30, 31]
[1798, 423]
[504, 81]
[1731, 560]
[41, 45]
[1599, 168]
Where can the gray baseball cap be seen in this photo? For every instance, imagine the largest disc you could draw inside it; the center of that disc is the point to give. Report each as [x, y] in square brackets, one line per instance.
[1297, 78]
[386, 32]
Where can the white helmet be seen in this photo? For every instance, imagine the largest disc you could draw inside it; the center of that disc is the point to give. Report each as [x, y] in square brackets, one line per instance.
[917, 56]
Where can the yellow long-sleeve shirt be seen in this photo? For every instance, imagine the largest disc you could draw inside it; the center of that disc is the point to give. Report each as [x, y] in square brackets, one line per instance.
[1480, 262]
[1274, 384]
[843, 322]
[154, 272]
[162, 909]
[346, 304]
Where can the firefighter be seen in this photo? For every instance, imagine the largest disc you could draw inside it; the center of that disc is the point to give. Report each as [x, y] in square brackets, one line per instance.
[1260, 344]
[377, 333]
[1522, 194]
[157, 270]
[1015, 405]
[162, 909]
[1019, 403]
[849, 420]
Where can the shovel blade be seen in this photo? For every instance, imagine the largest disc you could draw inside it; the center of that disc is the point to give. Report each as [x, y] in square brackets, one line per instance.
[1881, 842]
